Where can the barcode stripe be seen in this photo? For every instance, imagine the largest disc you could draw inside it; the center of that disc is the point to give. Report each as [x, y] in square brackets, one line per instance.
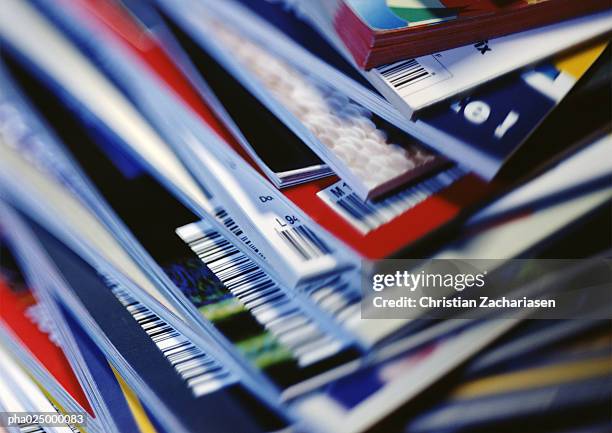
[227, 221]
[408, 68]
[31, 428]
[268, 303]
[368, 216]
[201, 372]
[413, 78]
[304, 241]
[404, 73]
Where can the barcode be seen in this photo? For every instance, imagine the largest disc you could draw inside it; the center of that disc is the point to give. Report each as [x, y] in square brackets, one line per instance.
[222, 215]
[31, 428]
[337, 297]
[404, 73]
[37, 428]
[202, 373]
[269, 304]
[304, 241]
[72, 428]
[366, 216]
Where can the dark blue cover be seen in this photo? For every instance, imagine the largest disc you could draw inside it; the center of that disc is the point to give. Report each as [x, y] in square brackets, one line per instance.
[220, 411]
[514, 95]
[101, 373]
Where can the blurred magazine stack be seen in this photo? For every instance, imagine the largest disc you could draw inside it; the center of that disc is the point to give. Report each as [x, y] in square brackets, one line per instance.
[200, 200]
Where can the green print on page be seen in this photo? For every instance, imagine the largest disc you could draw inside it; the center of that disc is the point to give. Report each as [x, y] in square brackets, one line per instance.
[218, 305]
[418, 12]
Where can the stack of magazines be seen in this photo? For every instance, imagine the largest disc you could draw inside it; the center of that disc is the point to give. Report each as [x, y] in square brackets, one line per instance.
[305, 215]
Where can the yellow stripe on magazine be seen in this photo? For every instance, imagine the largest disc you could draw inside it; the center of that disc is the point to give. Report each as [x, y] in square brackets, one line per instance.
[55, 403]
[576, 64]
[534, 378]
[140, 416]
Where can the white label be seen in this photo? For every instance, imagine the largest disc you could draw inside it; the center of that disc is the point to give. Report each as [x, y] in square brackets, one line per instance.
[410, 76]
[366, 216]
